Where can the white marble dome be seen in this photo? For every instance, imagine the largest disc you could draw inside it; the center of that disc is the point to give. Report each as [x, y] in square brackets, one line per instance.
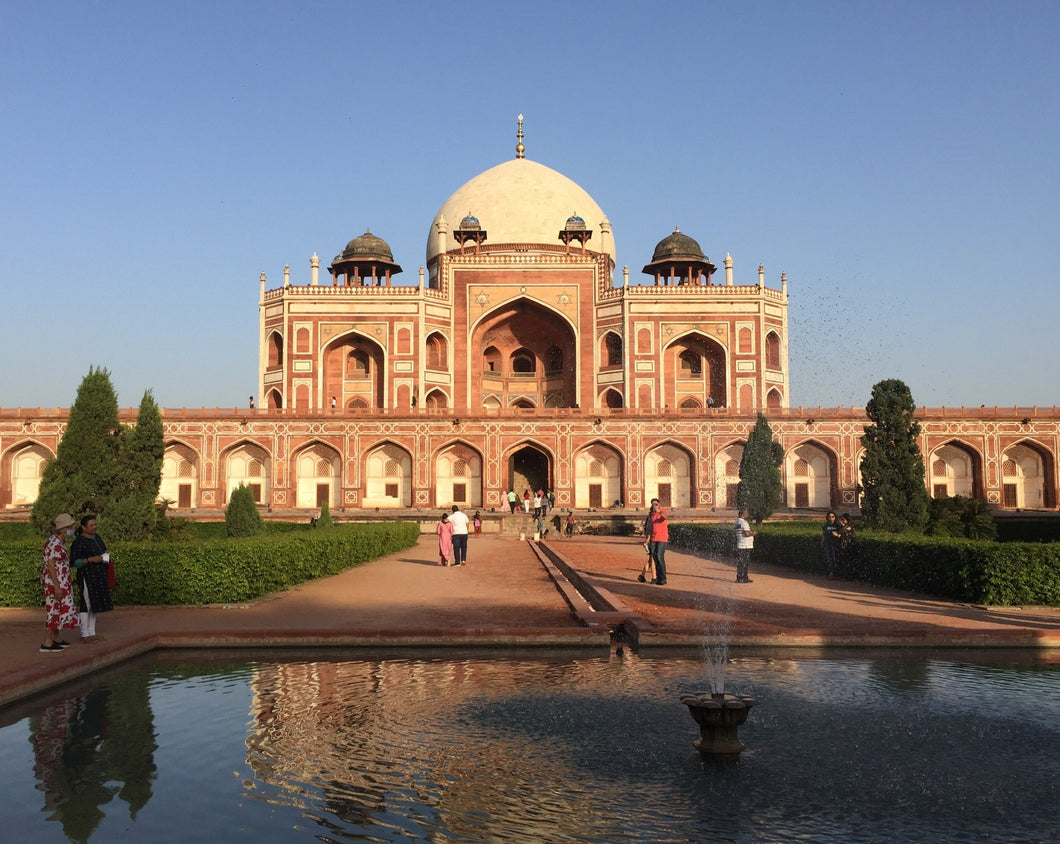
[519, 201]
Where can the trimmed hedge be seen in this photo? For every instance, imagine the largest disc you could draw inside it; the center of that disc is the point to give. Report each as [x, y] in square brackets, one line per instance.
[217, 570]
[991, 573]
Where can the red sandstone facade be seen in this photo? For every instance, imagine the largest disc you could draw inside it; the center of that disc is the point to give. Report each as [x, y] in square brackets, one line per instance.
[517, 361]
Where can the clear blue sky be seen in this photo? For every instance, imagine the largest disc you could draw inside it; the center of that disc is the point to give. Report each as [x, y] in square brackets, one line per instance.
[899, 161]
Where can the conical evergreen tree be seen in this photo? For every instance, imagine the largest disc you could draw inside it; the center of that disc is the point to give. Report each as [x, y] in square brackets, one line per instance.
[325, 520]
[893, 496]
[760, 490]
[80, 478]
[241, 515]
[132, 513]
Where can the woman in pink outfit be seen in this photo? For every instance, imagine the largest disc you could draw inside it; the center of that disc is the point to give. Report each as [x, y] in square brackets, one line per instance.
[445, 540]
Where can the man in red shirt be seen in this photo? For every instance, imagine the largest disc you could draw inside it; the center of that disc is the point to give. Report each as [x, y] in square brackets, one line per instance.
[658, 536]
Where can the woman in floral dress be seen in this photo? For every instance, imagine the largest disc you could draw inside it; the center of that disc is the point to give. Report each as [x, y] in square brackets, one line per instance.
[60, 611]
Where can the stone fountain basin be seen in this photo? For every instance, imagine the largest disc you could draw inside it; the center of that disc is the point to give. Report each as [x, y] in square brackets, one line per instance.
[718, 715]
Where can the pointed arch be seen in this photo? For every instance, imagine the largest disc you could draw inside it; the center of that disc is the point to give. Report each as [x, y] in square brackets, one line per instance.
[612, 399]
[388, 476]
[180, 475]
[670, 474]
[530, 347]
[955, 468]
[22, 468]
[437, 349]
[274, 348]
[811, 476]
[1028, 479]
[353, 366]
[247, 462]
[611, 352]
[317, 471]
[695, 367]
[530, 466]
[773, 350]
[598, 474]
[727, 474]
[458, 475]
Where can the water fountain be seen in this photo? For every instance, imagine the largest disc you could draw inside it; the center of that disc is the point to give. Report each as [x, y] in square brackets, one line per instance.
[718, 715]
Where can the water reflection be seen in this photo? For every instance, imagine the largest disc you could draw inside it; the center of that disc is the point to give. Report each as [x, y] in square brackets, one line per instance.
[549, 748]
[91, 748]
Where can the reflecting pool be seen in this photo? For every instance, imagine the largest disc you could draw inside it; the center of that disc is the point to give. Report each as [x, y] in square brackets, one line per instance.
[530, 747]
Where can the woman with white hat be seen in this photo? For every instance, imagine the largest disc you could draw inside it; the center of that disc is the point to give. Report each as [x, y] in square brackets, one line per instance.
[60, 611]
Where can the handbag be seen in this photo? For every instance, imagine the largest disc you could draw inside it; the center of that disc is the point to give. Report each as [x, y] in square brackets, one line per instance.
[112, 578]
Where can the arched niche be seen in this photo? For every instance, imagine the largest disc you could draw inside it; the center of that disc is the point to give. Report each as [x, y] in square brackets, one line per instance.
[180, 476]
[530, 348]
[248, 463]
[727, 475]
[458, 476]
[598, 470]
[695, 367]
[354, 367]
[388, 477]
[669, 475]
[810, 476]
[318, 476]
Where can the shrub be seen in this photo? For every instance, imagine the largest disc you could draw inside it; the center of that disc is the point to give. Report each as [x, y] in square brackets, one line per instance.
[325, 517]
[978, 572]
[241, 516]
[960, 516]
[216, 570]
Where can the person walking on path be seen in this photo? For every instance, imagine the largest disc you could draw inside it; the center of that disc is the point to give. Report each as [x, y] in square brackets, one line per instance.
[658, 536]
[91, 560]
[526, 501]
[444, 530]
[60, 612]
[745, 542]
[477, 522]
[830, 544]
[537, 504]
[460, 521]
[512, 500]
[550, 497]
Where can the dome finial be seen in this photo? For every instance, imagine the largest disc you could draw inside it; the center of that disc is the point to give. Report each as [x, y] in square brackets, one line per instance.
[519, 148]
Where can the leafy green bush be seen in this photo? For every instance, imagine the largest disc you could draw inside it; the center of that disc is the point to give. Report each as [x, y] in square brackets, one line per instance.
[979, 572]
[960, 516]
[215, 570]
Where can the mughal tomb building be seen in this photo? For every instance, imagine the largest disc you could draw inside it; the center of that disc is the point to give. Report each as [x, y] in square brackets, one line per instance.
[521, 356]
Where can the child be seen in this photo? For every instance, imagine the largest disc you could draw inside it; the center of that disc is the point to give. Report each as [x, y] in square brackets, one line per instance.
[647, 574]
[477, 520]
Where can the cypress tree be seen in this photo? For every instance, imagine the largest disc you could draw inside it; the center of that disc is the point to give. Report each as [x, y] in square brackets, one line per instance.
[80, 478]
[132, 514]
[325, 520]
[241, 515]
[760, 489]
[893, 496]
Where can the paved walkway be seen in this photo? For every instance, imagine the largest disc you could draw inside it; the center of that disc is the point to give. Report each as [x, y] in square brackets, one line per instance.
[511, 593]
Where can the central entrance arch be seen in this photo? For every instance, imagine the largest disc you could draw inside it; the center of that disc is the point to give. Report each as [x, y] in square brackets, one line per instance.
[530, 468]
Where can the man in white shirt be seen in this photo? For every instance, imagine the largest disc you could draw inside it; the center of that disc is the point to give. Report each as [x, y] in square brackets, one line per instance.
[459, 521]
[745, 541]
